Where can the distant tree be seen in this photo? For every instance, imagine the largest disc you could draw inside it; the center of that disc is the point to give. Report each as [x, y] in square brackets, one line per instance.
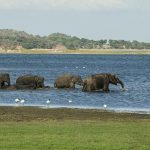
[10, 39]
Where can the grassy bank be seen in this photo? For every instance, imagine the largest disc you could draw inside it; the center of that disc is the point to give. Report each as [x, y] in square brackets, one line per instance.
[75, 135]
[72, 129]
[85, 51]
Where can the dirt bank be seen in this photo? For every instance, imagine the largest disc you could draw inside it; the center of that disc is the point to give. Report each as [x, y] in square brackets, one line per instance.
[39, 114]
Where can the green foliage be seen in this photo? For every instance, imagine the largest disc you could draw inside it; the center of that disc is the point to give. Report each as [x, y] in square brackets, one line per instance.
[12, 39]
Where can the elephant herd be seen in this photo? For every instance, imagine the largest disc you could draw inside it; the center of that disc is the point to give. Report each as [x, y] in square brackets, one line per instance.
[96, 82]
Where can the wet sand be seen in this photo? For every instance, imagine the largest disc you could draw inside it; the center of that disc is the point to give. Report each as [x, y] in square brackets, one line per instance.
[8, 114]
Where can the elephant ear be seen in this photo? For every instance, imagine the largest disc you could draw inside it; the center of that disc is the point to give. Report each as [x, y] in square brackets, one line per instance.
[112, 78]
[36, 78]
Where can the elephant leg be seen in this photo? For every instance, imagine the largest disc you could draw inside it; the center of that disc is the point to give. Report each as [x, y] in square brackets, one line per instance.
[2, 84]
[21, 87]
[33, 85]
[72, 85]
[55, 85]
[84, 87]
[106, 88]
[89, 88]
[8, 83]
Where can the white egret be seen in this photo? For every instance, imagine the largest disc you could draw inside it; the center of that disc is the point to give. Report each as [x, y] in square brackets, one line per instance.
[22, 101]
[48, 102]
[17, 100]
[105, 106]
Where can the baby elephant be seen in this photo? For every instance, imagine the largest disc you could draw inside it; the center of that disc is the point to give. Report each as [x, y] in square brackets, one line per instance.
[4, 78]
[100, 81]
[29, 82]
[68, 81]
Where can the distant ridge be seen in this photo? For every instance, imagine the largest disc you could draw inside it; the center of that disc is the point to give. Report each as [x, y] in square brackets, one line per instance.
[12, 39]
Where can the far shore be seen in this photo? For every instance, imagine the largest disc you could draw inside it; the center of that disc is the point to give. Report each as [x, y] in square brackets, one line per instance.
[79, 51]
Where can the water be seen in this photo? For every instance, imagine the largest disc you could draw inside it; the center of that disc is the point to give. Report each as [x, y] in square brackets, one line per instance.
[134, 71]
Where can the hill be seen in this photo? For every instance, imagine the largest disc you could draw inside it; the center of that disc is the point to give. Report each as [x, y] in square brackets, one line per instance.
[12, 39]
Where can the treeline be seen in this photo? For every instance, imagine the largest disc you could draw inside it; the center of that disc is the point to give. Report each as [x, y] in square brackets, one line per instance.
[12, 39]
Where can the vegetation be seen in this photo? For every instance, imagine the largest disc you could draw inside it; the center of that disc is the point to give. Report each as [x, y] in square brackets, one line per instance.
[72, 129]
[12, 39]
[73, 135]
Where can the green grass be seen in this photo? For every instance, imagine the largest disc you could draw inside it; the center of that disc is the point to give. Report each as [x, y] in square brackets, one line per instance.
[75, 135]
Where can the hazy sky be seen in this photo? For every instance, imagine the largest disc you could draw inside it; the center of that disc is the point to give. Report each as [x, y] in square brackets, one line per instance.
[93, 19]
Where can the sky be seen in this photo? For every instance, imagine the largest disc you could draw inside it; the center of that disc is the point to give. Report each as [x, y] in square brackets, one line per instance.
[92, 19]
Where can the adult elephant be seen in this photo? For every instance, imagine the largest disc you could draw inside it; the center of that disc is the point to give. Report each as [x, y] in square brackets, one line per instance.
[4, 78]
[30, 82]
[100, 81]
[68, 81]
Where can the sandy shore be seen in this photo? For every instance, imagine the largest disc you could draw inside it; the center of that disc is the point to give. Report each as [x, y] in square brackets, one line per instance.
[80, 51]
[38, 114]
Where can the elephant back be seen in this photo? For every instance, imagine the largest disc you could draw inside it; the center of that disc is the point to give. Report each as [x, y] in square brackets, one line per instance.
[25, 80]
[30, 81]
[64, 81]
[4, 76]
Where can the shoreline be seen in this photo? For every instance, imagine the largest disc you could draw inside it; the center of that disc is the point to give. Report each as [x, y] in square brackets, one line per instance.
[80, 51]
[110, 109]
[9, 113]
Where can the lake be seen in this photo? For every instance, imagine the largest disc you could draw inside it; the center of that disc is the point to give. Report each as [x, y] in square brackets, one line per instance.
[133, 70]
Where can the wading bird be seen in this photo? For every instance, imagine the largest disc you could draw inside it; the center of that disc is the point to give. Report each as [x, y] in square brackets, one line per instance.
[17, 100]
[22, 101]
[105, 106]
[48, 102]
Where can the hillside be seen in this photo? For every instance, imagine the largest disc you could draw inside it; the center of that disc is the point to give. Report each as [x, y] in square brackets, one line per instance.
[12, 39]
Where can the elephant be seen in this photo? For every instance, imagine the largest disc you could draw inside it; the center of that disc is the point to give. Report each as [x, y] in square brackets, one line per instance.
[100, 81]
[68, 81]
[29, 82]
[4, 78]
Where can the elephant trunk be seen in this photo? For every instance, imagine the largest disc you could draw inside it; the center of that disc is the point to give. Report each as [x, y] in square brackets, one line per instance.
[8, 83]
[42, 85]
[84, 88]
[121, 83]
